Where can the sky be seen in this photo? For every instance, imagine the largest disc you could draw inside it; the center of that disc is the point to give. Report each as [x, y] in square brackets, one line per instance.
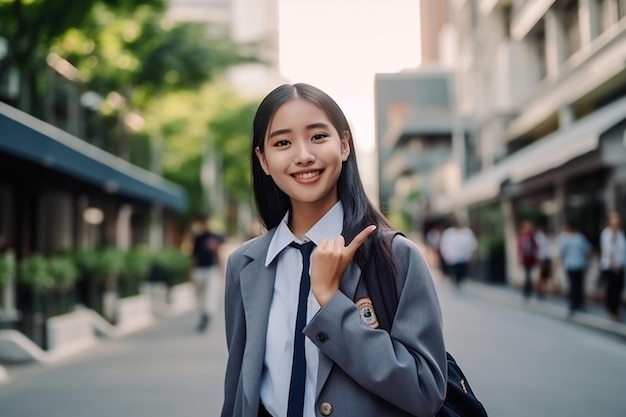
[339, 46]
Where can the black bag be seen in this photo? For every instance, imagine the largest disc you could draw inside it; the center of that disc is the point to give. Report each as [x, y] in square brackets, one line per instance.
[460, 400]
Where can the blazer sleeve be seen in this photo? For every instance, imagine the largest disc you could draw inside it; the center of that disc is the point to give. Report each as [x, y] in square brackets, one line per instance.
[235, 334]
[407, 367]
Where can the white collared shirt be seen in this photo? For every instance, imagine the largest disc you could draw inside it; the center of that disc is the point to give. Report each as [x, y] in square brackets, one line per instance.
[283, 310]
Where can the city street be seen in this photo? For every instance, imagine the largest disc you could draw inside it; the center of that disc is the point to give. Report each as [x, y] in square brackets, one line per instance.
[519, 364]
[522, 364]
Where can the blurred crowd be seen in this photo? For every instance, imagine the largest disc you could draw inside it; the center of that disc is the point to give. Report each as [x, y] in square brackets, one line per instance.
[560, 264]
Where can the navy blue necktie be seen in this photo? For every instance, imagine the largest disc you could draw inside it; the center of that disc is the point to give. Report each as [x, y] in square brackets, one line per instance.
[298, 368]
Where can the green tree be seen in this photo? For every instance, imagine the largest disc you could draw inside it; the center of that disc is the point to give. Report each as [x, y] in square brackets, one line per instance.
[214, 119]
[32, 26]
[141, 50]
[138, 57]
[232, 132]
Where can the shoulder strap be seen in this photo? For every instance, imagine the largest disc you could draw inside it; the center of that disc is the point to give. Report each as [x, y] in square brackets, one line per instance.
[381, 287]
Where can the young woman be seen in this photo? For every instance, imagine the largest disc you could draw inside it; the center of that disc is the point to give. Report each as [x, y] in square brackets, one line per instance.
[307, 189]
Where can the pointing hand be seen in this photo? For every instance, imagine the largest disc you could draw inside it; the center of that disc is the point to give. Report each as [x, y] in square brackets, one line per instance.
[329, 261]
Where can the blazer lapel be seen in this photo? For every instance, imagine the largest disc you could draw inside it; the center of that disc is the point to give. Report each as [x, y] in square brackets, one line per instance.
[257, 287]
[348, 286]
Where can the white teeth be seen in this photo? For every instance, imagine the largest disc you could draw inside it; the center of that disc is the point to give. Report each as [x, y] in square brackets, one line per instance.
[307, 175]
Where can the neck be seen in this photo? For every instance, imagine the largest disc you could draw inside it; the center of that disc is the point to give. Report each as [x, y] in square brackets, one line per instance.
[305, 215]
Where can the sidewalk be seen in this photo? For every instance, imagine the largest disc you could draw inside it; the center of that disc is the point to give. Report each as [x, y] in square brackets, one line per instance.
[164, 370]
[553, 306]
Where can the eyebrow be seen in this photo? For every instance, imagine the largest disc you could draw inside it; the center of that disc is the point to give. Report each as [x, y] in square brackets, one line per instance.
[318, 125]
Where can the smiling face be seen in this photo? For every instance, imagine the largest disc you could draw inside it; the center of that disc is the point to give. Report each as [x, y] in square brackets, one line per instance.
[303, 153]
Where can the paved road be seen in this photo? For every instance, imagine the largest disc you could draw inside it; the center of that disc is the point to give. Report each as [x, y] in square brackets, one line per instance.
[524, 364]
[519, 363]
[165, 371]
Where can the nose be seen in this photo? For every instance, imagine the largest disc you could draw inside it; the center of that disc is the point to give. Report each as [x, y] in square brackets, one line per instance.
[304, 155]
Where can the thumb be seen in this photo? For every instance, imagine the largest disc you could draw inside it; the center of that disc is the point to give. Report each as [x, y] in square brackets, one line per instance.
[360, 238]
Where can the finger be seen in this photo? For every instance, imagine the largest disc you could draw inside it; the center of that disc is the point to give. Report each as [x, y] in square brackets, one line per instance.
[360, 238]
[329, 244]
[340, 242]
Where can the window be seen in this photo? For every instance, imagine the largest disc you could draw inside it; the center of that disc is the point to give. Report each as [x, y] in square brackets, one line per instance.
[621, 9]
[537, 40]
[571, 25]
[608, 12]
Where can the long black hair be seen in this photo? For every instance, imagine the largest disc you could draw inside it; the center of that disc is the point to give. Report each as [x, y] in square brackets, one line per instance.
[272, 203]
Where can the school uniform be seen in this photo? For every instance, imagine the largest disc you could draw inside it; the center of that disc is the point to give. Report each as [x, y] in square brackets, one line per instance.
[360, 371]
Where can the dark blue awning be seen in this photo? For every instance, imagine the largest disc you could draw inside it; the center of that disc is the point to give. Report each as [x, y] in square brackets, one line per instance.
[29, 138]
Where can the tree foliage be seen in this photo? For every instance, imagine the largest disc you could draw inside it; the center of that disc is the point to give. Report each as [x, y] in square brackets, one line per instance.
[127, 52]
[214, 119]
[141, 55]
[232, 135]
[32, 26]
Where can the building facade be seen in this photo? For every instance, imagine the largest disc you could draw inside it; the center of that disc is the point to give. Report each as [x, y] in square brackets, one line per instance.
[416, 127]
[536, 121]
[67, 185]
[545, 83]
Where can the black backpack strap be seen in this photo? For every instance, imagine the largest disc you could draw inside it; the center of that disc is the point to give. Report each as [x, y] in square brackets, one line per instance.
[381, 286]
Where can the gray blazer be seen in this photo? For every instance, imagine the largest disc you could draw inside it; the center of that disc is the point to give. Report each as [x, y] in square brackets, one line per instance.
[362, 371]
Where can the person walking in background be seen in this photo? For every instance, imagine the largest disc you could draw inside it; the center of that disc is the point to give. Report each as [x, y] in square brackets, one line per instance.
[612, 259]
[458, 245]
[433, 240]
[575, 251]
[527, 255]
[205, 269]
[545, 260]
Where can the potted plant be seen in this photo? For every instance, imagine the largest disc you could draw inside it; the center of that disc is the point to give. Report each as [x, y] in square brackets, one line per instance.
[136, 263]
[88, 288]
[175, 265]
[64, 274]
[34, 276]
[6, 269]
[99, 271]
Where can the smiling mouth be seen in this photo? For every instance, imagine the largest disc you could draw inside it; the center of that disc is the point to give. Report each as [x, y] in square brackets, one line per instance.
[307, 175]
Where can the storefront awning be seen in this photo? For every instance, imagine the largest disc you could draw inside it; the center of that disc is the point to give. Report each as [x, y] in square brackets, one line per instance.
[550, 152]
[29, 138]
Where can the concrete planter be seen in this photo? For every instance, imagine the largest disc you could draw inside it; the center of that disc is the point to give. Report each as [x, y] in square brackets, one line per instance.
[182, 299]
[133, 313]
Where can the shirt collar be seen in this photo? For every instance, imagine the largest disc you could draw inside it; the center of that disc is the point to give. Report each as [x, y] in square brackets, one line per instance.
[328, 227]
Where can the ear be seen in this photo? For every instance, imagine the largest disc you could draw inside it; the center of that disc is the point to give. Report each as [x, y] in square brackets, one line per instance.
[345, 146]
[261, 157]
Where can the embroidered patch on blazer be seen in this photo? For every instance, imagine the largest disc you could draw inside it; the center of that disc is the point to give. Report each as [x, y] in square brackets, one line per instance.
[367, 313]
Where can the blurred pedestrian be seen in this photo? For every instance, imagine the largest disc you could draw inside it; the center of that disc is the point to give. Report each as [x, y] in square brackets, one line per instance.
[545, 260]
[458, 246]
[433, 240]
[205, 269]
[575, 251]
[527, 252]
[612, 259]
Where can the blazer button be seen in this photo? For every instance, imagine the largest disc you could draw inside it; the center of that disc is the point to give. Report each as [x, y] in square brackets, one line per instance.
[322, 337]
[326, 409]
